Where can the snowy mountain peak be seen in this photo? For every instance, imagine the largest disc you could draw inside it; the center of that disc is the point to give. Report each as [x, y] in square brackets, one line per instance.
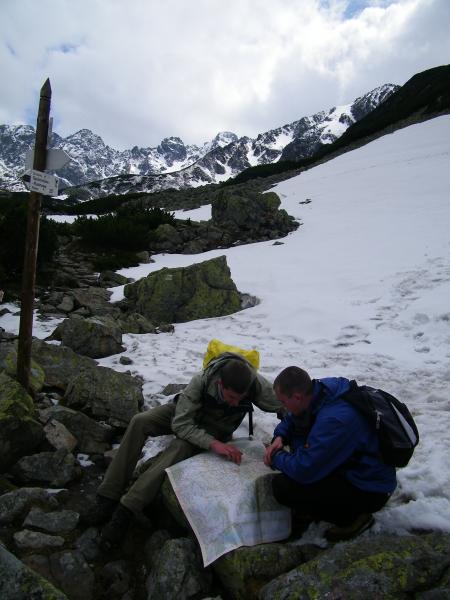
[224, 138]
[366, 103]
[183, 166]
[85, 138]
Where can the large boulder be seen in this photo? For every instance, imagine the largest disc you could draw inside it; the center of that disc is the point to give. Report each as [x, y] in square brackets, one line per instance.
[92, 437]
[382, 567]
[94, 299]
[177, 572]
[251, 214]
[8, 364]
[14, 505]
[136, 323]
[18, 582]
[176, 295]
[95, 337]
[20, 432]
[55, 468]
[60, 364]
[106, 395]
[244, 571]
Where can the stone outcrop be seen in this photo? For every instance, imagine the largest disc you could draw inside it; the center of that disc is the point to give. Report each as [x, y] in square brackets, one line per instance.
[14, 505]
[238, 217]
[8, 364]
[177, 572]
[244, 571]
[20, 432]
[54, 468]
[382, 567]
[249, 215]
[95, 337]
[60, 364]
[18, 582]
[106, 395]
[176, 295]
[91, 437]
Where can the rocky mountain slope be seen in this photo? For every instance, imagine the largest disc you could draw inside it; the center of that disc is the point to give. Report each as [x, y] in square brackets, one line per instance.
[174, 164]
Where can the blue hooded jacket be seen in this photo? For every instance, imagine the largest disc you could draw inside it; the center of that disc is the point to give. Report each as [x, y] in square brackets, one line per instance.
[340, 438]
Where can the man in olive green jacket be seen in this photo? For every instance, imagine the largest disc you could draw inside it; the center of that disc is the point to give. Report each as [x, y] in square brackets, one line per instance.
[204, 417]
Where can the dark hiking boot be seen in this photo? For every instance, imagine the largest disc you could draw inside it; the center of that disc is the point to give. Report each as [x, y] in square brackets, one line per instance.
[347, 532]
[100, 511]
[115, 530]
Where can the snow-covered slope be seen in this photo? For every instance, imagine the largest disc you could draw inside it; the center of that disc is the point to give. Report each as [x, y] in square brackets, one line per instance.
[183, 166]
[360, 290]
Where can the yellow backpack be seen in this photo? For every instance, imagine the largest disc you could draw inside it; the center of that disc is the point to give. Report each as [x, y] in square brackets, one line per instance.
[216, 348]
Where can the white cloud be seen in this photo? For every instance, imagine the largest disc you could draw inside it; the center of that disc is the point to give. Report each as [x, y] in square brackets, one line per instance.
[139, 70]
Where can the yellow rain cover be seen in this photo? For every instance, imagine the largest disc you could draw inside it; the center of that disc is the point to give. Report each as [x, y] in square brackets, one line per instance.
[216, 347]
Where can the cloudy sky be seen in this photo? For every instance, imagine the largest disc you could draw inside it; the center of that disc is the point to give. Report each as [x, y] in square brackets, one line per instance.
[136, 71]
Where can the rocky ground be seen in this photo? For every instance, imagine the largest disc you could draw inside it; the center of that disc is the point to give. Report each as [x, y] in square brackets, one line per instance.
[56, 443]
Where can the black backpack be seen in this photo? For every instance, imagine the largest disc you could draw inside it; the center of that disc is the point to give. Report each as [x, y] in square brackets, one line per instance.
[397, 432]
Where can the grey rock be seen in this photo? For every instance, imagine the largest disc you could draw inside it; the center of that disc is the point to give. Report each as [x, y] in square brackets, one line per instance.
[183, 294]
[92, 437]
[72, 574]
[112, 279]
[173, 388]
[173, 506]
[61, 521]
[379, 567]
[115, 579]
[55, 468]
[244, 571]
[177, 573]
[88, 544]
[95, 299]
[59, 436]
[60, 364]
[67, 305]
[125, 360]
[18, 582]
[14, 505]
[143, 257]
[95, 337]
[153, 546]
[136, 323]
[20, 432]
[35, 540]
[106, 394]
[252, 215]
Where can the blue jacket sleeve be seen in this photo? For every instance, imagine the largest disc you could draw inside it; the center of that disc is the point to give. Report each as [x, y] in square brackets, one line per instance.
[332, 441]
[284, 428]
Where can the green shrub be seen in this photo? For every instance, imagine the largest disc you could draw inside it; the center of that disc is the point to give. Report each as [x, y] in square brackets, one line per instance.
[13, 225]
[129, 228]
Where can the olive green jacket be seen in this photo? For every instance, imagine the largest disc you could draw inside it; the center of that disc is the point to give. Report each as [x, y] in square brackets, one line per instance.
[201, 416]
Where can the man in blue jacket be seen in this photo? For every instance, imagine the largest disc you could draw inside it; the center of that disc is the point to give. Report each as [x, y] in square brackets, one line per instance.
[332, 470]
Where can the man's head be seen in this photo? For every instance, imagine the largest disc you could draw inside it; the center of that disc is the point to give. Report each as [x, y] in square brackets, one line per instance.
[294, 389]
[235, 380]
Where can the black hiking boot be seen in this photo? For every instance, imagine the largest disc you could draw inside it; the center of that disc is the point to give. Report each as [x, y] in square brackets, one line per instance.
[356, 527]
[100, 511]
[115, 530]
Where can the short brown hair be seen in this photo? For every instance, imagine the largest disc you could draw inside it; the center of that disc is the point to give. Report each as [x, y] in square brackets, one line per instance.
[236, 375]
[293, 379]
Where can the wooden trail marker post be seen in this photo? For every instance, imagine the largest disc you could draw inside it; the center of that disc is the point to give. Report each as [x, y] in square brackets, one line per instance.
[31, 243]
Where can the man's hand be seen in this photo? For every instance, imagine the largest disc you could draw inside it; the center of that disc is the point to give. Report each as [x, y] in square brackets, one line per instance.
[276, 445]
[227, 450]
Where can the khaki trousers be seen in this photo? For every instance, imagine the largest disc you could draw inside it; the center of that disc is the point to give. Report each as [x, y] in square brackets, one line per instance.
[154, 422]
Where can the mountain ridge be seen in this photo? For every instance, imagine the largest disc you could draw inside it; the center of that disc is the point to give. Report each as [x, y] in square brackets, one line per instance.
[182, 165]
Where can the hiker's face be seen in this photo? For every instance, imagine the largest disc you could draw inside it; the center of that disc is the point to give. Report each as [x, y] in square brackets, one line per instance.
[295, 403]
[231, 397]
